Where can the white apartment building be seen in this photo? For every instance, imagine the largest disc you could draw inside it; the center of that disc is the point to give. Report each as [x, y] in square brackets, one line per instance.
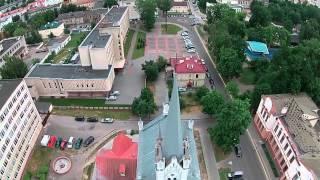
[289, 125]
[14, 46]
[20, 125]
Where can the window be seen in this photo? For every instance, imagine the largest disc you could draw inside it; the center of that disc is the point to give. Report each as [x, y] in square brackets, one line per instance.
[285, 168]
[279, 133]
[49, 85]
[197, 75]
[282, 162]
[276, 128]
[264, 114]
[291, 159]
[282, 139]
[61, 85]
[289, 152]
[286, 146]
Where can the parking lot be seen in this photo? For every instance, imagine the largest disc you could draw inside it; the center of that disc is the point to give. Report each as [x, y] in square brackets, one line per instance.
[64, 126]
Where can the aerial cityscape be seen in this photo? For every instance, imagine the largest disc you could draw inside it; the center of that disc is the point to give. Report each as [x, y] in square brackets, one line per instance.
[159, 90]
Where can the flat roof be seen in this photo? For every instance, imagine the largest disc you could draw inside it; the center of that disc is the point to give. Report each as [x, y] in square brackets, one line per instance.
[50, 25]
[96, 39]
[113, 17]
[7, 43]
[67, 71]
[7, 86]
[78, 14]
[258, 47]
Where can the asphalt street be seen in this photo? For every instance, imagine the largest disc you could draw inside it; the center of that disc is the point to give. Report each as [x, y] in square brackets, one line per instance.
[250, 163]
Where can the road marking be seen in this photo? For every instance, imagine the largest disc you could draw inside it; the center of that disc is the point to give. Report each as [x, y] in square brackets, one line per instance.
[260, 160]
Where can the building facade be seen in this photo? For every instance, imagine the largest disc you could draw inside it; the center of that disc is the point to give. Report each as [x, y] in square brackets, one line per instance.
[166, 146]
[190, 71]
[20, 125]
[54, 27]
[289, 126]
[179, 7]
[14, 46]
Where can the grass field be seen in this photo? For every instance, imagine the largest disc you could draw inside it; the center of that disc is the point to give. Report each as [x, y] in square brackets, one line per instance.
[116, 114]
[139, 51]
[172, 29]
[79, 102]
[128, 42]
[247, 76]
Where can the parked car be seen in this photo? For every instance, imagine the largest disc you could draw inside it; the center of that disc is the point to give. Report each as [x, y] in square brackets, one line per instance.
[184, 33]
[58, 142]
[182, 89]
[237, 150]
[191, 50]
[190, 46]
[52, 141]
[107, 120]
[235, 175]
[88, 141]
[79, 118]
[92, 119]
[111, 98]
[115, 93]
[211, 81]
[78, 143]
[70, 142]
[44, 141]
[208, 75]
[185, 37]
[63, 144]
[202, 61]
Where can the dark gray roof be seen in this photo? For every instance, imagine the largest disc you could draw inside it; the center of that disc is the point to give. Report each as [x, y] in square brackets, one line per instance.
[172, 131]
[115, 14]
[6, 89]
[96, 40]
[7, 43]
[93, 12]
[67, 71]
[43, 107]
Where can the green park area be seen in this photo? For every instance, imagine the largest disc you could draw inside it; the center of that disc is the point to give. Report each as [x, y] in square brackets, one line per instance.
[116, 114]
[128, 41]
[80, 102]
[140, 45]
[170, 29]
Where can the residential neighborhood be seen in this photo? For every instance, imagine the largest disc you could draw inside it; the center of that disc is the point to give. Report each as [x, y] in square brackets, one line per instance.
[159, 90]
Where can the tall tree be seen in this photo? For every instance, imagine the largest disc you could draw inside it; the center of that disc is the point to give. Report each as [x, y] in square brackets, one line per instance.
[151, 70]
[147, 9]
[260, 15]
[13, 68]
[232, 122]
[212, 103]
[165, 6]
[229, 63]
[233, 89]
[144, 105]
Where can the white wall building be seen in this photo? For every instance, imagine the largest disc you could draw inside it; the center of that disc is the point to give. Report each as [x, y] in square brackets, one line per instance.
[52, 2]
[289, 125]
[4, 21]
[20, 125]
[14, 46]
[54, 27]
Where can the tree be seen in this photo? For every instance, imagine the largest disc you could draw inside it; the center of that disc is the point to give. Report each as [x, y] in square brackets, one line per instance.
[20, 31]
[147, 9]
[212, 103]
[229, 63]
[260, 15]
[233, 89]
[260, 89]
[201, 91]
[15, 18]
[50, 36]
[165, 6]
[232, 122]
[162, 63]
[71, 8]
[151, 70]
[144, 105]
[66, 31]
[314, 89]
[109, 3]
[13, 68]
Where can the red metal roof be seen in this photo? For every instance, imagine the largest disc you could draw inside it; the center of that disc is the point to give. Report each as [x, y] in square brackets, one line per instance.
[187, 65]
[180, 3]
[121, 159]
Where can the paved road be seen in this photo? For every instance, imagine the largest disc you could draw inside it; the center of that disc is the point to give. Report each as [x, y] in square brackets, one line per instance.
[250, 162]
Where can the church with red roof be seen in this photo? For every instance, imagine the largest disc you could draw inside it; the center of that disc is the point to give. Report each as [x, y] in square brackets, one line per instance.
[190, 71]
[119, 162]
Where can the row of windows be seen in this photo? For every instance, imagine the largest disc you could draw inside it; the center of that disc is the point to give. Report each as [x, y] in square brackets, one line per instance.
[11, 51]
[78, 85]
[286, 145]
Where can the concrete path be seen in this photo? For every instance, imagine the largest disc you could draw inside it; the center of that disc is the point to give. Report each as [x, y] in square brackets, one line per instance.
[161, 90]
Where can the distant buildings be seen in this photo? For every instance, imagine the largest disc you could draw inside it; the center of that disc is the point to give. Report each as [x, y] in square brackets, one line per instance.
[85, 3]
[289, 124]
[133, 12]
[311, 2]
[120, 162]
[101, 52]
[82, 20]
[54, 27]
[5, 21]
[14, 46]
[20, 125]
[167, 149]
[57, 43]
[190, 72]
[179, 7]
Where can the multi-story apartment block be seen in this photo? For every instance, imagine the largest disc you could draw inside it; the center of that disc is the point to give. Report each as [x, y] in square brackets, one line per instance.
[20, 125]
[289, 125]
[14, 46]
[104, 45]
[82, 19]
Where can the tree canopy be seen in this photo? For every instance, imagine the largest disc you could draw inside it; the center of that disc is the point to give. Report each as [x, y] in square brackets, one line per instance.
[147, 9]
[13, 68]
[109, 3]
[144, 105]
[151, 70]
[71, 8]
[212, 103]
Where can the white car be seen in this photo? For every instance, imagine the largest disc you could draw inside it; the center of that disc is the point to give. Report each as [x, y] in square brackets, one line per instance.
[184, 33]
[111, 98]
[235, 175]
[107, 120]
[191, 50]
[202, 61]
[182, 89]
[165, 109]
[115, 93]
[70, 142]
[45, 140]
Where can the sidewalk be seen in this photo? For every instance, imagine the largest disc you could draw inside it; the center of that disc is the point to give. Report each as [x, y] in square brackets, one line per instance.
[257, 145]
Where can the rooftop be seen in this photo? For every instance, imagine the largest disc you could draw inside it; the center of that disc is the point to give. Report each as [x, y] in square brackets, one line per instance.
[187, 65]
[94, 12]
[50, 25]
[7, 43]
[257, 47]
[58, 40]
[6, 89]
[96, 39]
[180, 3]
[113, 17]
[67, 71]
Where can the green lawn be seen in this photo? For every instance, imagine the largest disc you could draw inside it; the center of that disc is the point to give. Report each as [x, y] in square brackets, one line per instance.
[219, 153]
[139, 51]
[66, 52]
[171, 29]
[128, 42]
[270, 160]
[223, 173]
[116, 114]
[79, 102]
[247, 76]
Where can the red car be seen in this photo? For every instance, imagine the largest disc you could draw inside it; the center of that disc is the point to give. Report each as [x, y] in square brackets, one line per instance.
[63, 144]
[52, 141]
